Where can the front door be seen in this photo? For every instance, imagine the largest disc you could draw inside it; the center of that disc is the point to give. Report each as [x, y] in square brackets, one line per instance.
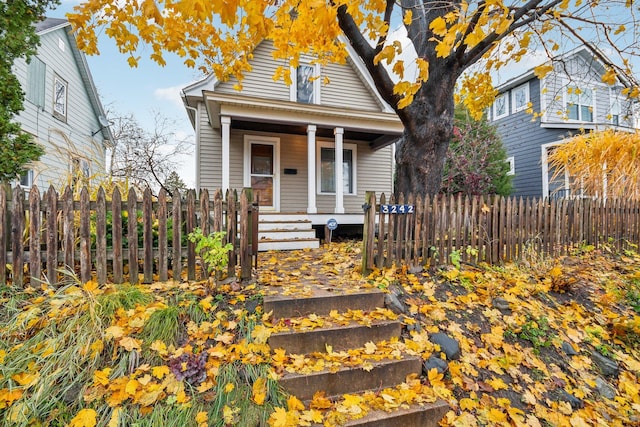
[261, 170]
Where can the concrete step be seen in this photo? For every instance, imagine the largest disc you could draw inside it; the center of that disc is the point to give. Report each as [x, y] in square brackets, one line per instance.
[287, 244]
[287, 234]
[284, 225]
[286, 217]
[385, 373]
[339, 338]
[321, 302]
[425, 415]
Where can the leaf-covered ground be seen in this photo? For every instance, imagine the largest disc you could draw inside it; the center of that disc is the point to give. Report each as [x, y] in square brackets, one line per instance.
[543, 342]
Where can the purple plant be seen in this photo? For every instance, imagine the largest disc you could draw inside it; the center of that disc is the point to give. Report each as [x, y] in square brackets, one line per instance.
[189, 367]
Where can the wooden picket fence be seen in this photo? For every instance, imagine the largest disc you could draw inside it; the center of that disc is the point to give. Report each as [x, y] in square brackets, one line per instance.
[441, 229]
[41, 237]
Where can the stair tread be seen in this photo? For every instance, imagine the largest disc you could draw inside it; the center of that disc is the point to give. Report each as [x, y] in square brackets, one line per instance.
[380, 417]
[352, 324]
[297, 239]
[404, 358]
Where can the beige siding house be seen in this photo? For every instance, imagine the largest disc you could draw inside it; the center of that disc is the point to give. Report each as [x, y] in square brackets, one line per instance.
[285, 141]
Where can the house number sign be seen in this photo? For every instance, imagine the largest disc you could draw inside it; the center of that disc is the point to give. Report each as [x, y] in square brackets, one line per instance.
[396, 209]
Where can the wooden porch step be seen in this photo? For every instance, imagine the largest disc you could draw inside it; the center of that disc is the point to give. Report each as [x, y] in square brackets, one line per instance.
[321, 302]
[339, 338]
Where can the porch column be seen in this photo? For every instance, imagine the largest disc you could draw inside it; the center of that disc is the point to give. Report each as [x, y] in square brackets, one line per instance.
[338, 132]
[311, 169]
[225, 122]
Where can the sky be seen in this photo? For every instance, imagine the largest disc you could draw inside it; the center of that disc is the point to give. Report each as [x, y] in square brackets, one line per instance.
[142, 91]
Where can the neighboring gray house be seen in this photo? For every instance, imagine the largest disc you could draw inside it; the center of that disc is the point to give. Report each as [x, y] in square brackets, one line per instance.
[285, 141]
[62, 109]
[569, 99]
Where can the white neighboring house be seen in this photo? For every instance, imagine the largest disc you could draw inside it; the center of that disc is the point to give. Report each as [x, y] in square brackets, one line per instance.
[285, 142]
[62, 109]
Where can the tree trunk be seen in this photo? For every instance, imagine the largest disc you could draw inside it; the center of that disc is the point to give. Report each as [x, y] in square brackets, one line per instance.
[428, 128]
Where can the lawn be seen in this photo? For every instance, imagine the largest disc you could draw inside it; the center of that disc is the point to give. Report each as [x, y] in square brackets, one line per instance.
[543, 342]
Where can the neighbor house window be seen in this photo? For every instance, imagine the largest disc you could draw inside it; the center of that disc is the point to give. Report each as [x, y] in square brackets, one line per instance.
[511, 161]
[327, 168]
[305, 87]
[60, 93]
[579, 104]
[500, 107]
[520, 97]
[80, 170]
[26, 180]
[615, 112]
[36, 82]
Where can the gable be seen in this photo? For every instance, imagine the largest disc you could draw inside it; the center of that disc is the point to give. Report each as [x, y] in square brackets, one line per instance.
[579, 79]
[72, 131]
[345, 89]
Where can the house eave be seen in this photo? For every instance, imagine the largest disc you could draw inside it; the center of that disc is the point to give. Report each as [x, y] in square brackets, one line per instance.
[260, 109]
[583, 125]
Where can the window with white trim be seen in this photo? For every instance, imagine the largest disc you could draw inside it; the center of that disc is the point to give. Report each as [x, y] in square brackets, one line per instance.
[579, 103]
[326, 167]
[511, 161]
[26, 180]
[60, 94]
[500, 107]
[520, 97]
[305, 84]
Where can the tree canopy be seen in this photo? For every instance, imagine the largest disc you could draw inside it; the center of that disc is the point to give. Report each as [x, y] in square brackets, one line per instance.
[449, 38]
[19, 40]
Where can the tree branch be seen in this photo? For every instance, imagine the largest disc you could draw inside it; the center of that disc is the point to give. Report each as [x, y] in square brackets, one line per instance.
[367, 53]
[529, 9]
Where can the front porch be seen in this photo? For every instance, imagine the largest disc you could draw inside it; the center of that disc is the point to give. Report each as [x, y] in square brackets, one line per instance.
[310, 159]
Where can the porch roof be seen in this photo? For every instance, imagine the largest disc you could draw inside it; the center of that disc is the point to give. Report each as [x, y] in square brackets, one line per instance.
[252, 113]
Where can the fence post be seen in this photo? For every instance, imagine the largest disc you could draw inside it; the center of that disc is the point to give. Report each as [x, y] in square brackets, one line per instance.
[232, 231]
[101, 236]
[191, 225]
[147, 237]
[176, 250]
[17, 231]
[204, 226]
[132, 235]
[68, 230]
[35, 266]
[368, 231]
[116, 235]
[379, 258]
[85, 237]
[246, 238]
[4, 231]
[162, 236]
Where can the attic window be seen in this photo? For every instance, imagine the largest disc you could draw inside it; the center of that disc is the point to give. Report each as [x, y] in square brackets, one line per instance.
[579, 104]
[61, 44]
[520, 97]
[305, 85]
[500, 107]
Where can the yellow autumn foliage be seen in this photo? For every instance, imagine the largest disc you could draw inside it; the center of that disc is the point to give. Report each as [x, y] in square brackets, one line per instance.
[599, 163]
[219, 36]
